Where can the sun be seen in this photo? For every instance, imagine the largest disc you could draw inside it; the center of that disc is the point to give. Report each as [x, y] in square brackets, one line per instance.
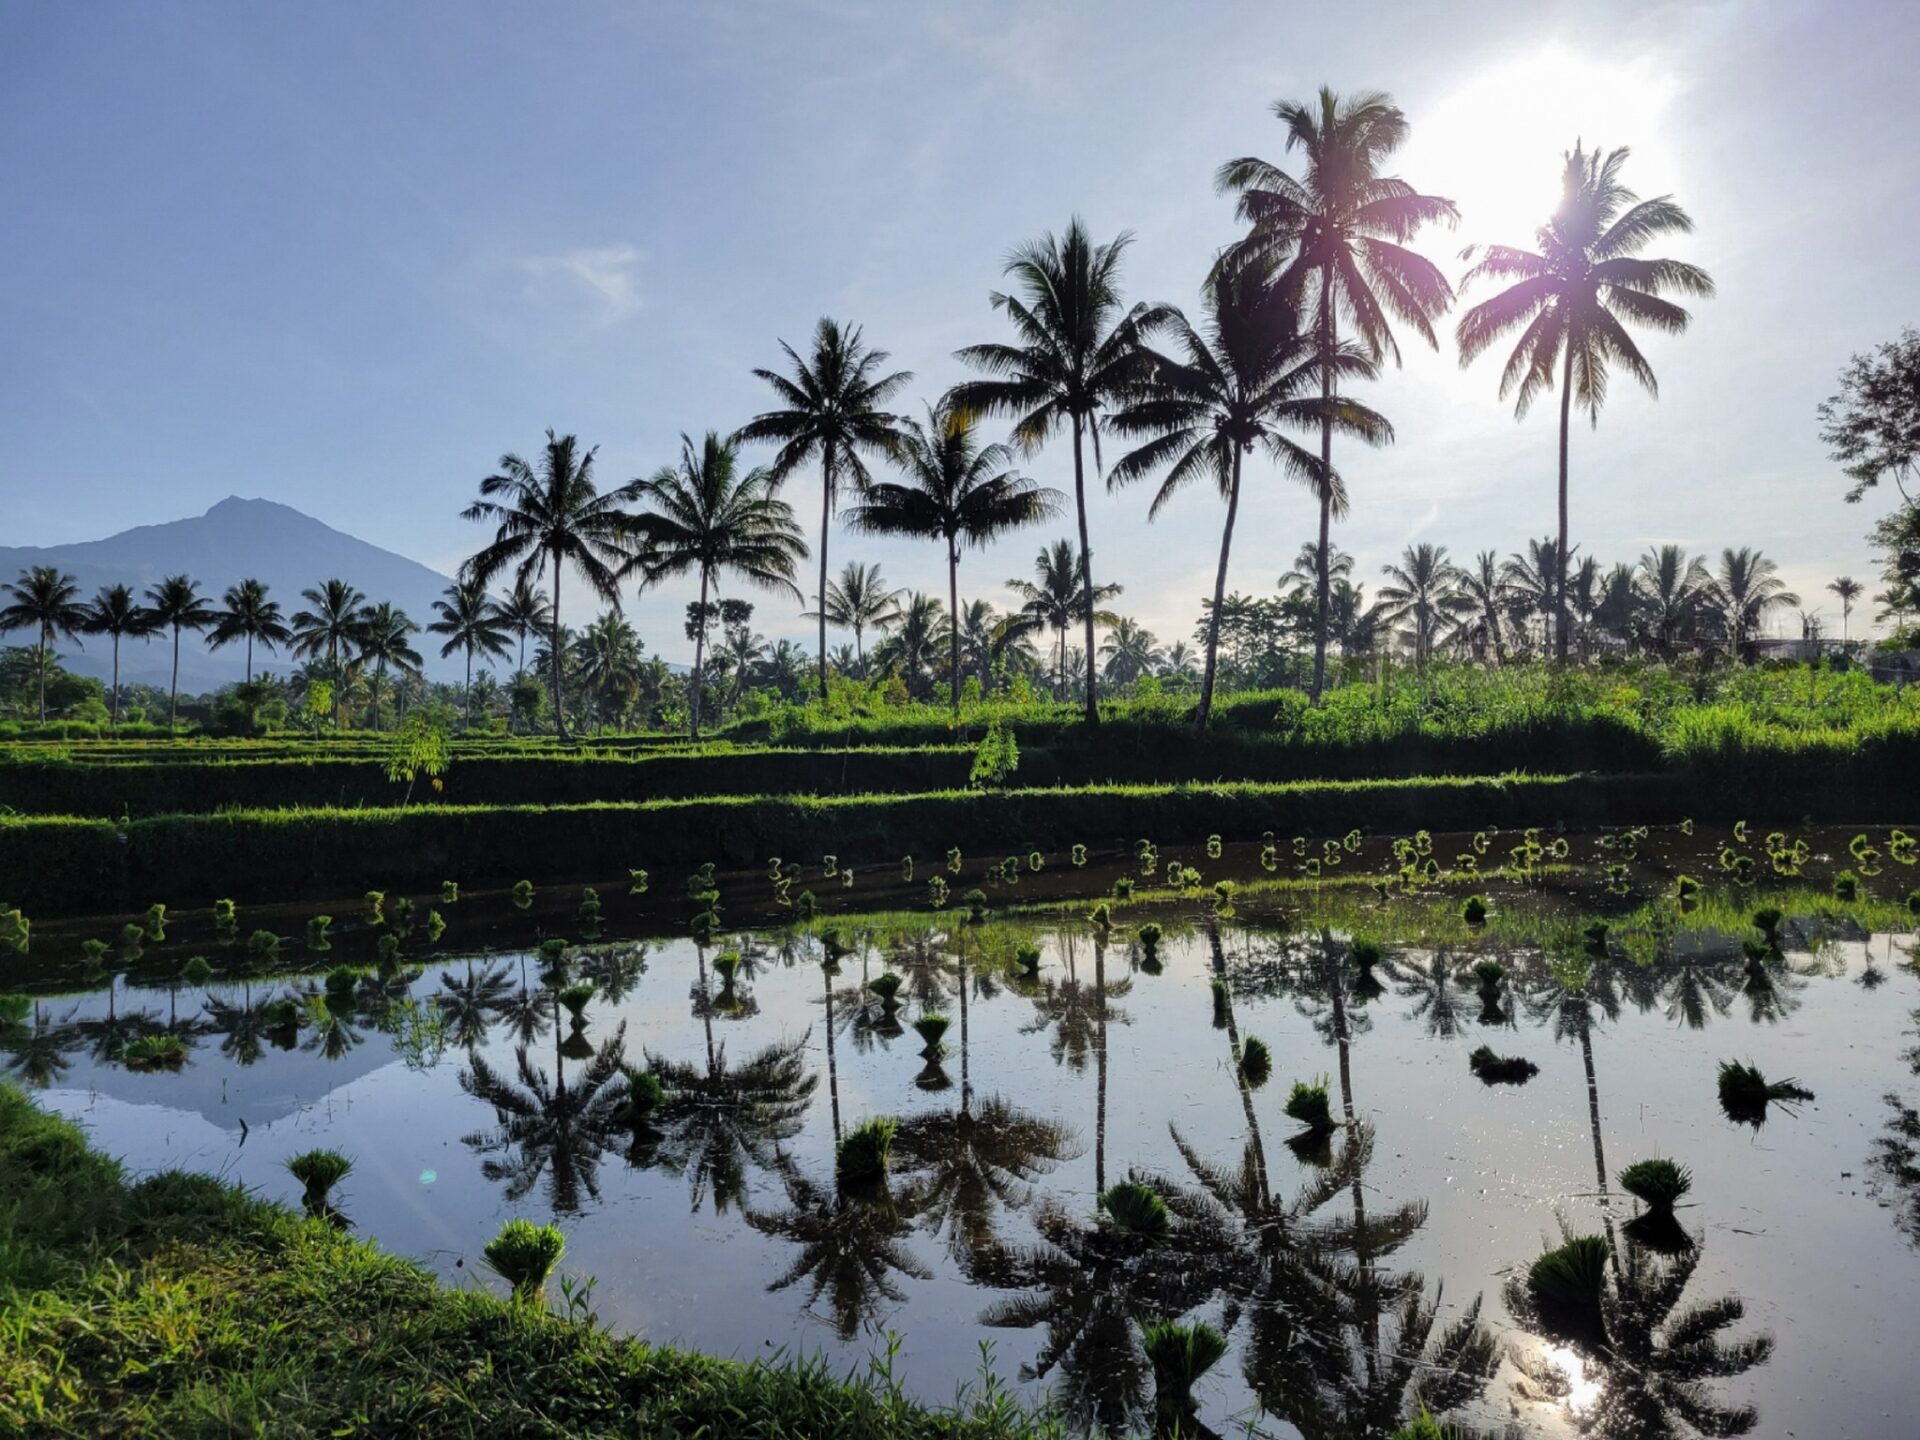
[1494, 145]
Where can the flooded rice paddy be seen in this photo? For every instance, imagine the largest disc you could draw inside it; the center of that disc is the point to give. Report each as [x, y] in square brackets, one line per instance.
[1356, 1273]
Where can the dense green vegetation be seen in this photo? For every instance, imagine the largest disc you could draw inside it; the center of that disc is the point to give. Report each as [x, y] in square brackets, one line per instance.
[180, 1306]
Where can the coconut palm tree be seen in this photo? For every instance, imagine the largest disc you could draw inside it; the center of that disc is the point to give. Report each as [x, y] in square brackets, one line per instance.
[1340, 230]
[1243, 379]
[834, 413]
[1672, 587]
[1179, 661]
[704, 516]
[47, 602]
[1532, 583]
[1572, 301]
[1078, 352]
[549, 518]
[1488, 597]
[860, 601]
[471, 620]
[113, 611]
[1130, 652]
[957, 491]
[385, 639]
[176, 604]
[1056, 597]
[1847, 590]
[606, 662]
[246, 613]
[1425, 591]
[524, 610]
[330, 624]
[1746, 591]
[912, 645]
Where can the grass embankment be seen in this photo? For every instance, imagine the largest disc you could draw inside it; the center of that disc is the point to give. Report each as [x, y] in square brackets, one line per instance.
[180, 1306]
[65, 864]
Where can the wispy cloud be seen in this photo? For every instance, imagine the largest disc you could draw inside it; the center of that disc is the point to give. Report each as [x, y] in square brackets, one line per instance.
[603, 278]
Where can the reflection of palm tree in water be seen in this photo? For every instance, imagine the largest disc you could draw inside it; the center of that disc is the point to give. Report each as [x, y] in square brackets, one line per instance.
[470, 1004]
[712, 1122]
[1573, 993]
[40, 1051]
[852, 1243]
[546, 1127]
[1078, 1018]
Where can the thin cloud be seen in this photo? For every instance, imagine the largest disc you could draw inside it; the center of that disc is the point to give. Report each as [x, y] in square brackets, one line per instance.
[602, 277]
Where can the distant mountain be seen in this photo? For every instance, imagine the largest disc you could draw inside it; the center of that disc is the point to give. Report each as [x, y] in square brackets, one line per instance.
[273, 543]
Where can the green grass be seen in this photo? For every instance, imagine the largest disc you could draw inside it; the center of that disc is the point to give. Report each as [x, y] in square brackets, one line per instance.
[180, 1306]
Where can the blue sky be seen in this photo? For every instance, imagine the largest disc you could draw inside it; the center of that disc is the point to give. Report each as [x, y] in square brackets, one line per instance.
[344, 255]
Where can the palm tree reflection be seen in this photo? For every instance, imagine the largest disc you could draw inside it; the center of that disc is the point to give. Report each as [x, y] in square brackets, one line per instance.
[546, 1127]
[714, 1121]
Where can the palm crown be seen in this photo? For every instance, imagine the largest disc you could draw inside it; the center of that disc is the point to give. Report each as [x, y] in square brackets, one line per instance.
[247, 614]
[47, 602]
[176, 604]
[114, 611]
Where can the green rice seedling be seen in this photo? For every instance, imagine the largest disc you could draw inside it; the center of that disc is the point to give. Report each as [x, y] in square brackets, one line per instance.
[94, 955]
[1223, 893]
[906, 868]
[1222, 996]
[224, 912]
[341, 981]
[887, 986]
[707, 918]
[133, 936]
[1903, 848]
[1136, 1209]
[937, 893]
[846, 877]
[575, 999]
[1214, 847]
[1365, 952]
[263, 945]
[1036, 861]
[522, 894]
[1913, 902]
[1568, 1286]
[644, 1094]
[1473, 910]
[1617, 881]
[1846, 886]
[155, 1052]
[318, 1171]
[523, 1254]
[589, 911]
[1350, 842]
[638, 882]
[773, 868]
[1685, 887]
[1256, 1061]
[807, 906]
[14, 1009]
[400, 914]
[1008, 870]
[829, 866]
[1745, 1093]
[726, 965]
[1180, 1355]
[196, 971]
[449, 892]
[1657, 1184]
[932, 1029]
[1489, 973]
[1686, 826]
[1482, 841]
[1100, 917]
[282, 1016]
[317, 938]
[863, 1155]
[436, 926]
[1740, 831]
[387, 949]
[1123, 888]
[953, 859]
[376, 907]
[553, 955]
[1149, 937]
[1492, 1069]
[1595, 934]
[1309, 1104]
[1269, 859]
[1079, 855]
[1027, 957]
[976, 902]
[832, 945]
[155, 922]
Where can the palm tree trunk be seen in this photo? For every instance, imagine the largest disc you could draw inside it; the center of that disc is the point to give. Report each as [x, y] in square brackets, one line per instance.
[40, 664]
[1086, 569]
[1593, 1119]
[1560, 560]
[469, 686]
[1100, 1055]
[173, 701]
[1240, 1078]
[699, 653]
[333, 675]
[116, 679]
[1322, 591]
[249, 657]
[833, 1064]
[826, 522]
[1219, 598]
[559, 715]
[953, 623]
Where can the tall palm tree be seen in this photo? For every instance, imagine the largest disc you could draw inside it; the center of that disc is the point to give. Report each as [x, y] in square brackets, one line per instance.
[47, 602]
[1241, 381]
[860, 601]
[552, 517]
[523, 611]
[1571, 302]
[246, 613]
[1425, 591]
[471, 620]
[1341, 229]
[607, 663]
[385, 639]
[1130, 651]
[329, 625]
[912, 642]
[176, 604]
[1078, 352]
[1056, 597]
[113, 611]
[1848, 590]
[1746, 591]
[834, 412]
[1485, 589]
[957, 491]
[704, 516]
[1533, 582]
[1672, 587]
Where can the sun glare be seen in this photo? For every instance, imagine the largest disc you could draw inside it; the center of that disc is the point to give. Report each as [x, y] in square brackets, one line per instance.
[1494, 145]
